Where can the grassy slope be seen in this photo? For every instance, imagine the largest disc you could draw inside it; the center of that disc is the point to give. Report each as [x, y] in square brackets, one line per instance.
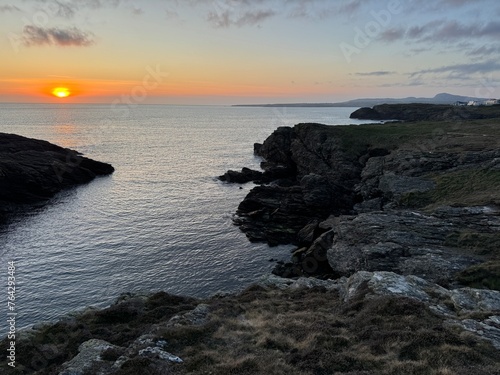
[262, 331]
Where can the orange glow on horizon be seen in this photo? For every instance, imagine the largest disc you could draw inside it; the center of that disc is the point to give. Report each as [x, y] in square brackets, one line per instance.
[137, 92]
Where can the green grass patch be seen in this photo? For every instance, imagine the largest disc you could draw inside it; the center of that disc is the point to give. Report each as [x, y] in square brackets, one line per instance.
[484, 275]
[460, 188]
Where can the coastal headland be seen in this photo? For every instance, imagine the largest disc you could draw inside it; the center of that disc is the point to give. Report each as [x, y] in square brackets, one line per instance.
[32, 171]
[395, 270]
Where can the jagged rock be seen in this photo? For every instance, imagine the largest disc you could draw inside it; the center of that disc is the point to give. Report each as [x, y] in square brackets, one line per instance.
[246, 175]
[401, 241]
[307, 234]
[318, 250]
[276, 148]
[320, 176]
[256, 148]
[274, 214]
[469, 299]
[329, 223]
[274, 281]
[317, 191]
[89, 353]
[158, 353]
[397, 185]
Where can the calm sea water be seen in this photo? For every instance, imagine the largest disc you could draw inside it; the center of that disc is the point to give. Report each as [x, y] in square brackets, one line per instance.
[162, 221]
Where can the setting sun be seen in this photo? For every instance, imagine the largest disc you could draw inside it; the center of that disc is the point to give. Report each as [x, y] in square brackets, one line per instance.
[61, 92]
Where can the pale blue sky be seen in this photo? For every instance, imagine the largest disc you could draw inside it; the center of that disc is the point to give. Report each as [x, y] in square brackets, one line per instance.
[241, 51]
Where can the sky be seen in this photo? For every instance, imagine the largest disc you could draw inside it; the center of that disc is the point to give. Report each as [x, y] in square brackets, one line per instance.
[246, 51]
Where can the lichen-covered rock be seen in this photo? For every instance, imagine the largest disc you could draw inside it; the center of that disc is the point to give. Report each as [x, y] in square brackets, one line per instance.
[89, 353]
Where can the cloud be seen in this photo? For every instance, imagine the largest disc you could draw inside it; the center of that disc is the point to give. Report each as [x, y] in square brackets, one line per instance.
[350, 7]
[486, 50]
[69, 8]
[137, 11]
[443, 31]
[229, 18]
[376, 73]
[462, 69]
[9, 8]
[39, 36]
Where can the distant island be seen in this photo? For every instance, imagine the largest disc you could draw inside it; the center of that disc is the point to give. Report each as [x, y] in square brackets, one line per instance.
[442, 98]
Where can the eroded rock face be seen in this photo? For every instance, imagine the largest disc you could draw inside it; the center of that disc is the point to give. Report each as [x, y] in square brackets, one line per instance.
[363, 192]
[313, 177]
[32, 170]
[406, 242]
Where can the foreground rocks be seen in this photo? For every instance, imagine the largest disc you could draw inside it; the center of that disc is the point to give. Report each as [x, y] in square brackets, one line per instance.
[33, 170]
[369, 323]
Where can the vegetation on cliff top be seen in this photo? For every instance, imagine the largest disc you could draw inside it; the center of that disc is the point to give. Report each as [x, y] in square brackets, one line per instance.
[269, 331]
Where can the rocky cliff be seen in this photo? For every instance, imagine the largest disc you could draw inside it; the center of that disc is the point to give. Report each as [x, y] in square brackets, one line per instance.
[417, 199]
[33, 170]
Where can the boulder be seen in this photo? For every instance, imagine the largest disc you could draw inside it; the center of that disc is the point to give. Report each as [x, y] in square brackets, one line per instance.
[246, 175]
[89, 353]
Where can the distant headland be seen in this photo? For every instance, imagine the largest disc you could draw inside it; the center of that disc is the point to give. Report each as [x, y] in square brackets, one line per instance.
[442, 98]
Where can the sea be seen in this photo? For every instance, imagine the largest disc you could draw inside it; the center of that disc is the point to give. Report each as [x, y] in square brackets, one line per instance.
[162, 221]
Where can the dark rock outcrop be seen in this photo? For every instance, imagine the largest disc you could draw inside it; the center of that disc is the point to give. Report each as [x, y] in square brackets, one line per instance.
[33, 170]
[423, 112]
[311, 177]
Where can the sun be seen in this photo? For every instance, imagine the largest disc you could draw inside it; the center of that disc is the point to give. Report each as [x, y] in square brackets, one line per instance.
[61, 92]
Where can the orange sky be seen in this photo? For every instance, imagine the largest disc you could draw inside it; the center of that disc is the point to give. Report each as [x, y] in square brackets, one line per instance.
[235, 51]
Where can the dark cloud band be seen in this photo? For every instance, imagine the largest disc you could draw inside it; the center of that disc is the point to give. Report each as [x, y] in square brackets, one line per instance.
[40, 36]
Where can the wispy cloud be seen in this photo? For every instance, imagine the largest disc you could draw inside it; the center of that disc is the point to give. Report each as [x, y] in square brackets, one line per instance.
[377, 73]
[137, 11]
[229, 18]
[68, 9]
[462, 69]
[443, 31]
[484, 51]
[40, 36]
[9, 8]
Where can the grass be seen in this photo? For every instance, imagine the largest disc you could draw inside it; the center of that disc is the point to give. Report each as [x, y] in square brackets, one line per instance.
[483, 275]
[268, 331]
[469, 187]
[119, 324]
[425, 136]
